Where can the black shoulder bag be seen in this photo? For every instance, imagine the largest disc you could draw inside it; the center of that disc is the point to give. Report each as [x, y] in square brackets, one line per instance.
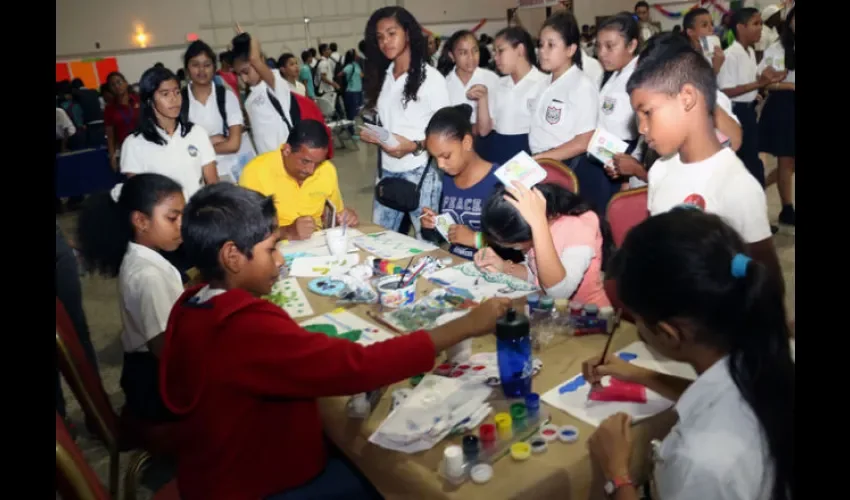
[399, 194]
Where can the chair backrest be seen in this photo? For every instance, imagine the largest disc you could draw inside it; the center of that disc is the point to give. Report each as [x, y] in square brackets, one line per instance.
[83, 379]
[626, 210]
[560, 174]
[326, 107]
[75, 479]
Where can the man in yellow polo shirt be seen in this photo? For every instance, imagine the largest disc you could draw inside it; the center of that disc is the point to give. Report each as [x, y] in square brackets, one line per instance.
[301, 180]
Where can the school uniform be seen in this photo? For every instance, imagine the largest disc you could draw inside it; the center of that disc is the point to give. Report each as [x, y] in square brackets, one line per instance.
[565, 108]
[148, 287]
[617, 117]
[410, 120]
[777, 131]
[719, 185]
[740, 68]
[457, 89]
[267, 127]
[209, 116]
[593, 69]
[717, 448]
[511, 109]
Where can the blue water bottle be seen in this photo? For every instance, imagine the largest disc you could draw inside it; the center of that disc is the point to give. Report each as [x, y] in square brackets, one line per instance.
[513, 349]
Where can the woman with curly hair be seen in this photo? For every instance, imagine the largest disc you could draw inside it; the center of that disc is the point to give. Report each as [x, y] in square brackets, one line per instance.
[406, 92]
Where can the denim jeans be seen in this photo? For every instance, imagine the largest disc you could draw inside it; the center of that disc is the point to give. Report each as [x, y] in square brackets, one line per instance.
[429, 196]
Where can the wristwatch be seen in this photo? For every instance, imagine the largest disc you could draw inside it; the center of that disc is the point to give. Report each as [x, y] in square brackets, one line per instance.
[420, 148]
[612, 485]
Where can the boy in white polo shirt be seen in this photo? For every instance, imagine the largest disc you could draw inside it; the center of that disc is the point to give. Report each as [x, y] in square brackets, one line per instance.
[673, 92]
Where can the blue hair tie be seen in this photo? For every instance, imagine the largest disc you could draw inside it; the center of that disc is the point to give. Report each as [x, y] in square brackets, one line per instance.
[739, 265]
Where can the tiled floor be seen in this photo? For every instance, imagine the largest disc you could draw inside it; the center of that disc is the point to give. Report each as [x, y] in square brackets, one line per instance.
[356, 178]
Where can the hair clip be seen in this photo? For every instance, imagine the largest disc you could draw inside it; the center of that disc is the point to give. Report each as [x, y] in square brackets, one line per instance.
[115, 193]
[739, 265]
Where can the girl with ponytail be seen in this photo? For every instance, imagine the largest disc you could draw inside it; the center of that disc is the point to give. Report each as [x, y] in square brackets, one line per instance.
[121, 234]
[699, 299]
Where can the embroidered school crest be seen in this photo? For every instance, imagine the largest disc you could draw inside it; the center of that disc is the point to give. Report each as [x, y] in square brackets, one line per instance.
[608, 105]
[695, 200]
[193, 151]
[553, 114]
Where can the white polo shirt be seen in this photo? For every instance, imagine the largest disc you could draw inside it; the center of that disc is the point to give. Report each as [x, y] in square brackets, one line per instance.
[514, 102]
[148, 287]
[457, 90]
[208, 116]
[774, 57]
[267, 127]
[297, 87]
[616, 114]
[720, 185]
[410, 120]
[593, 69]
[64, 125]
[565, 108]
[739, 68]
[716, 449]
[326, 68]
[181, 158]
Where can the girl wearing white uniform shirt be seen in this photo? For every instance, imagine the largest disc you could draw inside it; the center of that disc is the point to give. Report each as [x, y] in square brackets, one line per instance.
[466, 82]
[202, 102]
[718, 311]
[777, 134]
[504, 133]
[617, 42]
[565, 114]
[121, 234]
[407, 92]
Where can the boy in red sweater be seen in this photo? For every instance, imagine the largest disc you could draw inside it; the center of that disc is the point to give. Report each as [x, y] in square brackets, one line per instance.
[244, 377]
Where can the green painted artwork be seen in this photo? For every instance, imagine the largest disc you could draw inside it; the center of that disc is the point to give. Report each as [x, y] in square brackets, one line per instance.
[332, 331]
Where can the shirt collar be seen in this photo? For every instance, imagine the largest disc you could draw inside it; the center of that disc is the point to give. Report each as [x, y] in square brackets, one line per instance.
[148, 254]
[178, 131]
[705, 390]
[567, 75]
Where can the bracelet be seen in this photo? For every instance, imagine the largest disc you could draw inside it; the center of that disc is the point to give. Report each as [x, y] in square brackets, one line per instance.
[479, 240]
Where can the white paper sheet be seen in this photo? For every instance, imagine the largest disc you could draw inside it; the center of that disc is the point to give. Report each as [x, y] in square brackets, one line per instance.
[522, 168]
[314, 267]
[392, 246]
[481, 285]
[345, 321]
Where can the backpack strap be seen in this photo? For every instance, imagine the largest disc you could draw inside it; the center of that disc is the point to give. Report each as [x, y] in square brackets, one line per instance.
[294, 109]
[276, 103]
[220, 96]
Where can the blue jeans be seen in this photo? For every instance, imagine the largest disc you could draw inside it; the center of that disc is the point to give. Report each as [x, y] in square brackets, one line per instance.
[338, 481]
[429, 196]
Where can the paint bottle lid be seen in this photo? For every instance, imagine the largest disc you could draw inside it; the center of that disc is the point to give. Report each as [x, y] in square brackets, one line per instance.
[503, 421]
[568, 433]
[512, 325]
[532, 401]
[533, 300]
[518, 412]
[481, 473]
[549, 432]
[576, 308]
[487, 432]
[591, 310]
[538, 445]
[547, 303]
[562, 304]
[520, 451]
[606, 312]
[453, 461]
[470, 444]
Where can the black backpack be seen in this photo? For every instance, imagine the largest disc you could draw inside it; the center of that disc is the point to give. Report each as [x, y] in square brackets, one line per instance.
[294, 110]
[317, 80]
[339, 77]
[219, 100]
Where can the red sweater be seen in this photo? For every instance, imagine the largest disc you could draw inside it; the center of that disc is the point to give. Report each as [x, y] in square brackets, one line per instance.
[244, 377]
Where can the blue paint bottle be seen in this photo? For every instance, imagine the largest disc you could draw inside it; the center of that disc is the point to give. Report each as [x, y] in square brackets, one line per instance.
[513, 350]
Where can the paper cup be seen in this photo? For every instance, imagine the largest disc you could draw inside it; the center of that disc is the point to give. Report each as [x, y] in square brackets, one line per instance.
[337, 242]
[391, 296]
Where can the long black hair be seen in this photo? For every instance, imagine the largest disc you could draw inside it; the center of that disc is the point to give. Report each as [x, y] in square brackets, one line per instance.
[148, 124]
[686, 255]
[503, 224]
[516, 35]
[377, 63]
[197, 48]
[566, 25]
[445, 64]
[788, 41]
[104, 228]
[451, 122]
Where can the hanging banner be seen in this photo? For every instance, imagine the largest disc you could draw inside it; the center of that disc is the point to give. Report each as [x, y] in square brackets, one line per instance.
[92, 72]
[681, 13]
[474, 29]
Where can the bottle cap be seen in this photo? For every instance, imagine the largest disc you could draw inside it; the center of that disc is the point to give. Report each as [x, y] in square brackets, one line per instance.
[532, 401]
[518, 412]
[470, 443]
[487, 432]
[503, 421]
[512, 325]
[576, 307]
[538, 445]
[591, 310]
[547, 303]
[481, 473]
[568, 434]
[549, 432]
[533, 299]
[562, 304]
[520, 451]
[453, 460]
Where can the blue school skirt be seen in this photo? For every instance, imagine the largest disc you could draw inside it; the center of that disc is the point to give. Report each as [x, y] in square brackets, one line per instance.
[595, 187]
[777, 126]
[499, 148]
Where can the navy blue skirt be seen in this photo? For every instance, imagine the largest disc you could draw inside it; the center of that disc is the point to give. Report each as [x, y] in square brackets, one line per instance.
[498, 148]
[777, 124]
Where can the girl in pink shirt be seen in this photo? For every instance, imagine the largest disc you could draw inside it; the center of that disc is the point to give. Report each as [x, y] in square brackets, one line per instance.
[565, 243]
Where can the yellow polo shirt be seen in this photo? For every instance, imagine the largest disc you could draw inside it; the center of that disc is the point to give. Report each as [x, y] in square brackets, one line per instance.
[265, 174]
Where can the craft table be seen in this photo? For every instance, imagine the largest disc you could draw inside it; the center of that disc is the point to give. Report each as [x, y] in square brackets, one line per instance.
[563, 472]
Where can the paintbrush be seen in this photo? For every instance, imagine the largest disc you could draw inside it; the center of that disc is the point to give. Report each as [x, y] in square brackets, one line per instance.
[602, 359]
[404, 272]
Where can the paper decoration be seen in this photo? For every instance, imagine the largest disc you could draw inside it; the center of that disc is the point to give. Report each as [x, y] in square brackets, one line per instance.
[62, 72]
[702, 3]
[467, 280]
[85, 72]
[105, 67]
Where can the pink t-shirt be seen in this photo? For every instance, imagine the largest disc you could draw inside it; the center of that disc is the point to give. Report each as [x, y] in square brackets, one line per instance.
[579, 231]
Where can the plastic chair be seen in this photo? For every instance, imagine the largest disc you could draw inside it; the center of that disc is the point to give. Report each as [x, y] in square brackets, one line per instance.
[560, 174]
[117, 433]
[336, 123]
